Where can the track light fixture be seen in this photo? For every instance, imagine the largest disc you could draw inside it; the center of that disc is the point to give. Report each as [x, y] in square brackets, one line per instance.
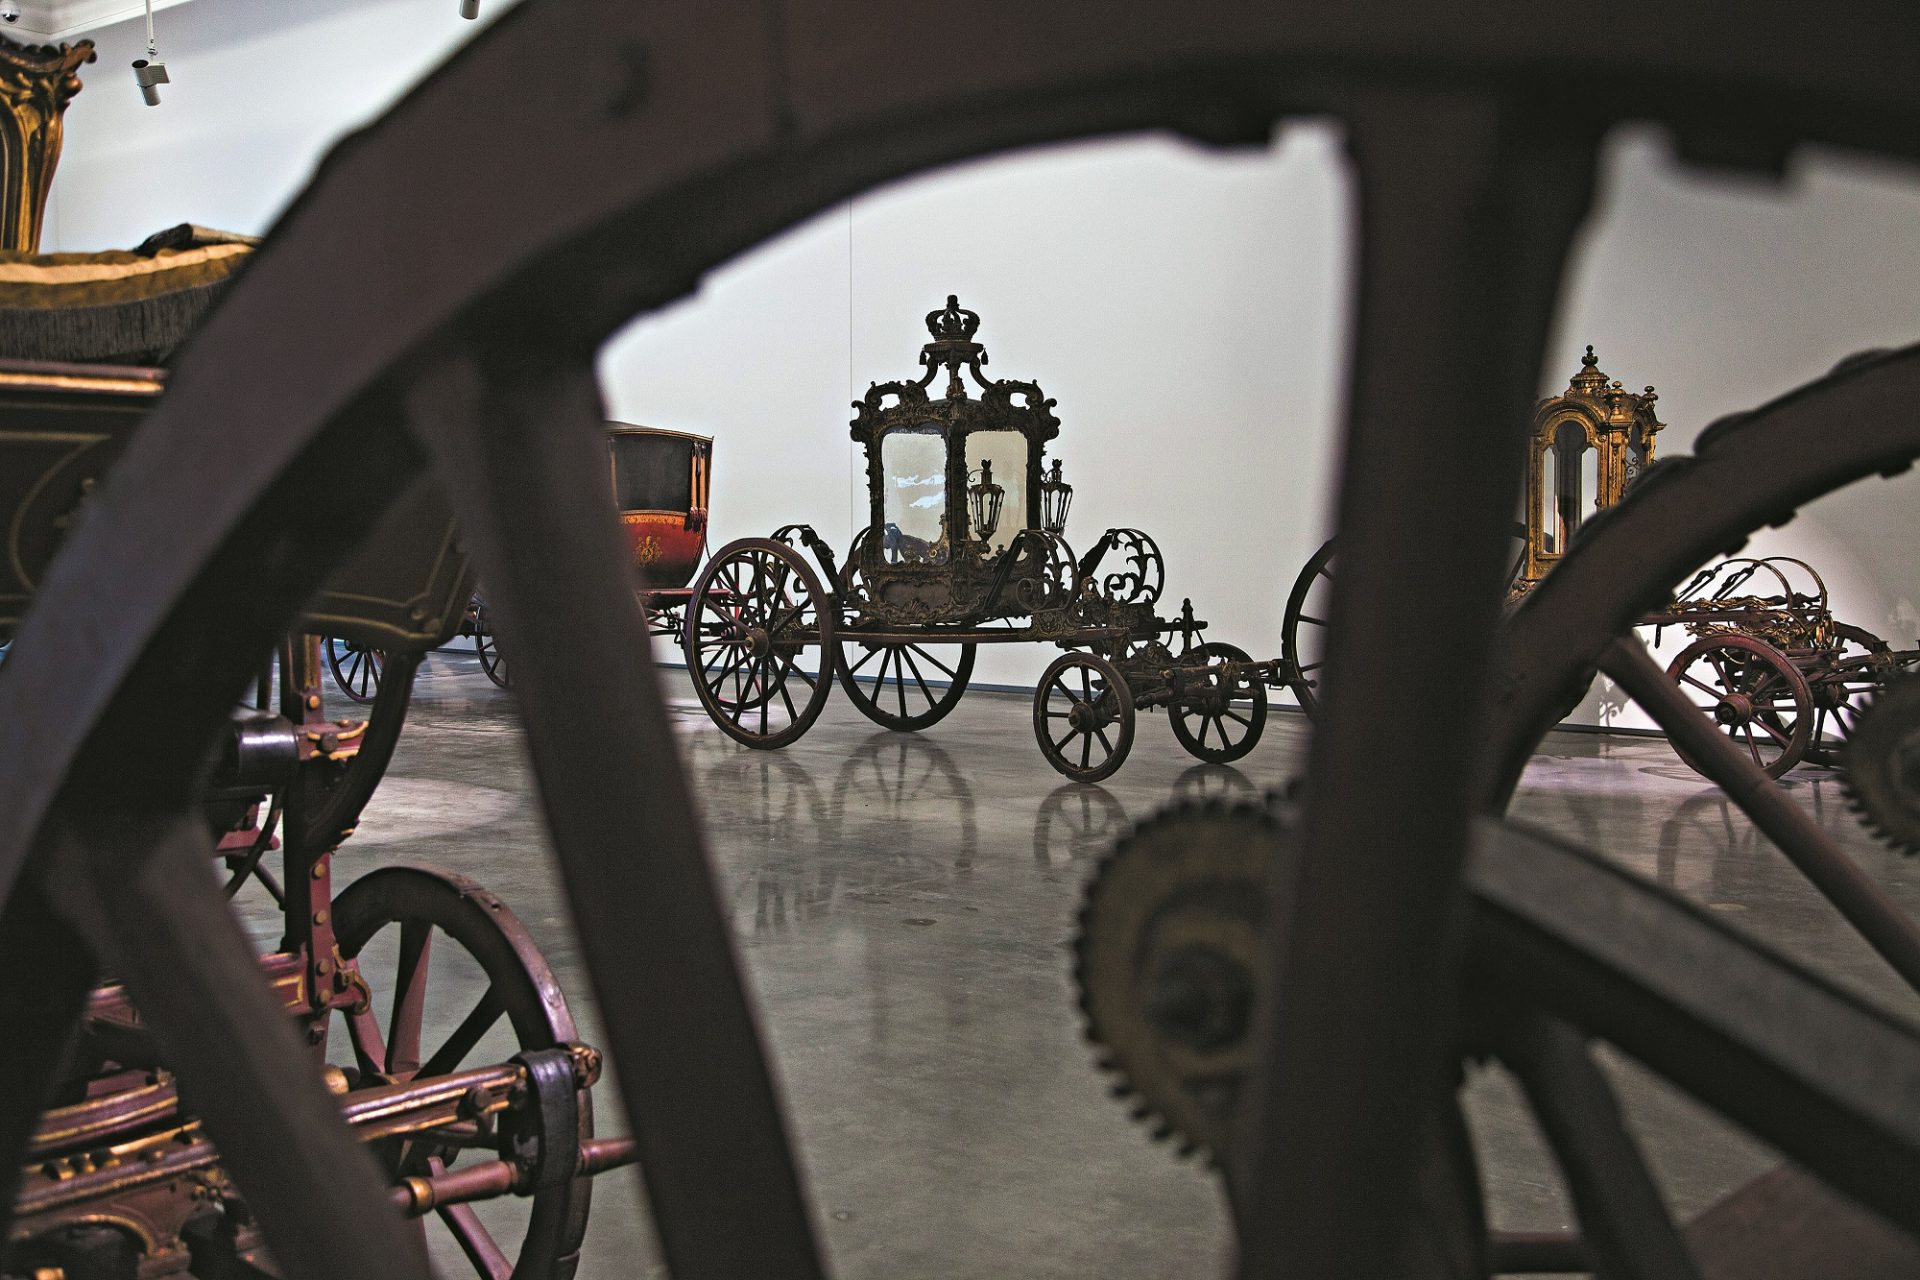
[469, 8]
[149, 72]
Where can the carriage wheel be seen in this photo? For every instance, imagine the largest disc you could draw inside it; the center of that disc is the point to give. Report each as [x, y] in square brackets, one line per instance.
[1205, 719]
[926, 681]
[1756, 696]
[1083, 716]
[492, 661]
[1303, 634]
[356, 668]
[1842, 687]
[479, 994]
[756, 608]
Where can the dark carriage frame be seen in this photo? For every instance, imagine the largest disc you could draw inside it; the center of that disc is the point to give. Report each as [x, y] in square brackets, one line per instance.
[120, 1172]
[689, 137]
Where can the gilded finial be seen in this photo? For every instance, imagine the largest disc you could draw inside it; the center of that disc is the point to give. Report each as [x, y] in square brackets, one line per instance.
[1589, 382]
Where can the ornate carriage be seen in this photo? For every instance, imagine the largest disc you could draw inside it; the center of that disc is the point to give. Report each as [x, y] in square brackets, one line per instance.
[964, 546]
[1770, 664]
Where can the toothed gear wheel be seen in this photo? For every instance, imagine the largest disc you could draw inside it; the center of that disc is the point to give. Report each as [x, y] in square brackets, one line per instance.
[1881, 760]
[1168, 958]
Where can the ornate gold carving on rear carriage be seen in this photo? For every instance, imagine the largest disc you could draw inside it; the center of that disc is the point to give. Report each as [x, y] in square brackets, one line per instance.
[1586, 446]
[36, 84]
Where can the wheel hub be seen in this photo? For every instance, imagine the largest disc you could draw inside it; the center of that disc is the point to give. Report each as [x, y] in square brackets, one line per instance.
[1734, 710]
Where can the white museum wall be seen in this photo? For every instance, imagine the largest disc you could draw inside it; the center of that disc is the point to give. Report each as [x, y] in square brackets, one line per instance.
[1185, 308]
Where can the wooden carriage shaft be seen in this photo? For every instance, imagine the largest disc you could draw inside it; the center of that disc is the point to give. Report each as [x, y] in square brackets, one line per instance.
[518, 442]
[1867, 906]
[1465, 215]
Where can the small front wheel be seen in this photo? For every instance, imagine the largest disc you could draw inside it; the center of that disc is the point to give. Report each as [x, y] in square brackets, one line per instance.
[1083, 717]
[1218, 717]
[486, 646]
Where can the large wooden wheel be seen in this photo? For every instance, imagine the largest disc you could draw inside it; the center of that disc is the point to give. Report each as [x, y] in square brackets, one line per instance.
[758, 619]
[685, 136]
[1843, 685]
[355, 668]
[1304, 626]
[905, 687]
[459, 982]
[1754, 693]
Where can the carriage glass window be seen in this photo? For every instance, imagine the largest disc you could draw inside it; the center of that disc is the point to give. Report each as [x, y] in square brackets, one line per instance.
[1574, 483]
[652, 473]
[1005, 454]
[1549, 498]
[913, 502]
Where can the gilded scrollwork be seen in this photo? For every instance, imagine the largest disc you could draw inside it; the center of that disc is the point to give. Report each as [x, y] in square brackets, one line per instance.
[36, 83]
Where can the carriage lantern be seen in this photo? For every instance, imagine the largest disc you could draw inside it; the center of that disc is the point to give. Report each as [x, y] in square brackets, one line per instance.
[984, 498]
[1056, 495]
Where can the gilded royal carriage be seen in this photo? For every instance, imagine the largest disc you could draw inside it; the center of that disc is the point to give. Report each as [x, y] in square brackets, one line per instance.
[1772, 666]
[963, 546]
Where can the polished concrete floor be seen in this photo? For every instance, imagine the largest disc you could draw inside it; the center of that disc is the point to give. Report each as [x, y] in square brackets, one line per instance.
[905, 906]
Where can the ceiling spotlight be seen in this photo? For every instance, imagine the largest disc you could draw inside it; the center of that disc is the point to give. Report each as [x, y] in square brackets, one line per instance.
[469, 8]
[150, 75]
[149, 72]
[9, 12]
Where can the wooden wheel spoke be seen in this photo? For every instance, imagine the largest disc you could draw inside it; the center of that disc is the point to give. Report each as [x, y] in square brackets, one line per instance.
[475, 1241]
[1716, 694]
[879, 652]
[1775, 732]
[944, 668]
[477, 1023]
[369, 1046]
[409, 998]
[925, 692]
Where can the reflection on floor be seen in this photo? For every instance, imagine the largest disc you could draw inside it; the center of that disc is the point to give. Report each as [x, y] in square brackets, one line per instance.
[905, 906]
